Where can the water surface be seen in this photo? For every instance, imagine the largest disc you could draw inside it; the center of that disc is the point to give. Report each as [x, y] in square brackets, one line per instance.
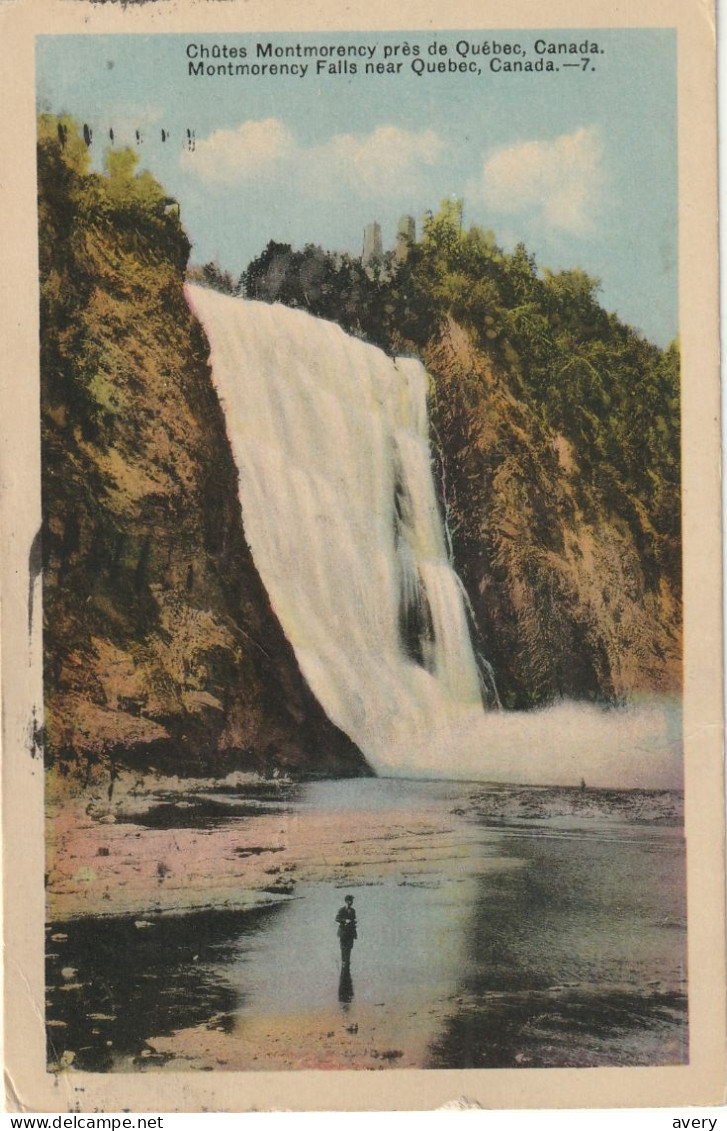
[500, 928]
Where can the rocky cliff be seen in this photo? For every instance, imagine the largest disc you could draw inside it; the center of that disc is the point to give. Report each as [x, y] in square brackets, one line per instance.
[565, 605]
[160, 645]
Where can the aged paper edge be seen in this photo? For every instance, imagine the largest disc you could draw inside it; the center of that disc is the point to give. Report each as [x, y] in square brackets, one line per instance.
[29, 1087]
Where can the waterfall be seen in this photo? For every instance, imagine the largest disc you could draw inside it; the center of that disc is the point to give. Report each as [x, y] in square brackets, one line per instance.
[330, 437]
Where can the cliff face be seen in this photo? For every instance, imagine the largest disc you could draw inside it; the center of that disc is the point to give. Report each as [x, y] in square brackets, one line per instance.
[564, 602]
[160, 644]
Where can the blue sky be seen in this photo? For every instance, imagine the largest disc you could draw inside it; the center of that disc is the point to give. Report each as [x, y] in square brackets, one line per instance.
[581, 165]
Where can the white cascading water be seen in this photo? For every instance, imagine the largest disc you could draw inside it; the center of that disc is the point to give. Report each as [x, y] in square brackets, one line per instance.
[330, 437]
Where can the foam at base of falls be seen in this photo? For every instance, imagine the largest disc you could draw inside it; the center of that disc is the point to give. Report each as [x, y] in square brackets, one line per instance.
[638, 746]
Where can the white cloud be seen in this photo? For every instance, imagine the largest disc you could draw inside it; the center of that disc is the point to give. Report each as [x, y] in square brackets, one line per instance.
[253, 151]
[381, 163]
[384, 162]
[559, 183]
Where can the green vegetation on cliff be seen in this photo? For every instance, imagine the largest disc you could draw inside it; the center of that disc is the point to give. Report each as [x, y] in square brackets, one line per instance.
[160, 645]
[557, 436]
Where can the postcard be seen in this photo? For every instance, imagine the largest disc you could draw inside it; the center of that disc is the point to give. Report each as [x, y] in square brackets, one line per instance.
[362, 654]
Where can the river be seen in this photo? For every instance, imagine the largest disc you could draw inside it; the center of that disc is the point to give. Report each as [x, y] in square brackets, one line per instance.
[497, 927]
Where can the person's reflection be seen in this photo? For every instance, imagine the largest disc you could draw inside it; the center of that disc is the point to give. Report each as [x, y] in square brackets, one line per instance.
[345, 985]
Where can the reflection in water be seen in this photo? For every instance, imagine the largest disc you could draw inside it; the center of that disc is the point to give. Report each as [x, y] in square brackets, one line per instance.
[345, 985]
[570, 966]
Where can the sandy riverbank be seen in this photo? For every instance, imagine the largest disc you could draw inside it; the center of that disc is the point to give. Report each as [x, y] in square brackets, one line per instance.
[167, 844]
[170, 846]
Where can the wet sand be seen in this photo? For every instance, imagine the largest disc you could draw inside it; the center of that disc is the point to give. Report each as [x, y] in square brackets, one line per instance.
[499, 926]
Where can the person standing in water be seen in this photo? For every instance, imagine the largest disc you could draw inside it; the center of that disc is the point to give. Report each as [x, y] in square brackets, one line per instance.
[346, 919]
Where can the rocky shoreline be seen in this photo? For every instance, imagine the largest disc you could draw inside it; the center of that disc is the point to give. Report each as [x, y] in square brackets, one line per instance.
[153, 847]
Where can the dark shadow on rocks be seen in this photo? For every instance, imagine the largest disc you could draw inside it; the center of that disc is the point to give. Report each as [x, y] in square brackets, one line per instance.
[114, 984]
[580, 1030]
